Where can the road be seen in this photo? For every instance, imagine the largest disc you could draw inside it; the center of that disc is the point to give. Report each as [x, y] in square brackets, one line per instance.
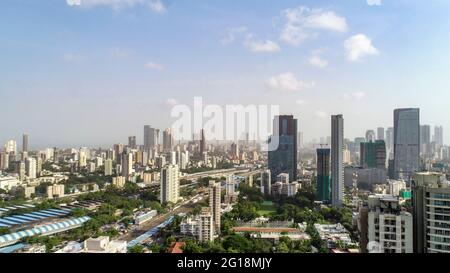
[186, 207]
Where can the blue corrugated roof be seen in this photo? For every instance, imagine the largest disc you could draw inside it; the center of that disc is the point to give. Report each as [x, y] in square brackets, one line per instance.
[54, 213]
[14, 219]
[37, 217]
[58, 210]
[7, 222]
[5, 239]
[29, 219]
[47, 215]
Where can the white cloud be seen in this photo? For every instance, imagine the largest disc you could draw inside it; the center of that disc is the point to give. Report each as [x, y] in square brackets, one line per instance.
[300, 102]
[288, 82]
[154, 66]
[231, 35]
[359, 46]
[158, 6]
[317, 60]
[73, 2]
[261, 46]
[301, 23]
[155, 5]
[374, 2]
[73, 58]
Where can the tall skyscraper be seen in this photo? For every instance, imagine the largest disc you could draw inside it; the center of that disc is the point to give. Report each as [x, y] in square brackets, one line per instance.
[118, 150]
[170, 184]
[202, 142]
[132, 142]
[431, 210]
[406, 142]
[323, 175]
[425, 139]
[390, 138]
[214, 203]
[167, 140]
[380, 133]
[337, 160]
[439, 136]
[25, 143]
[283, 159]
[127, 164]
[151, 137]
[234, 151]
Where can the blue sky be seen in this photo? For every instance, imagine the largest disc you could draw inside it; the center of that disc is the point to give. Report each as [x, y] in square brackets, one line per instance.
[94, 73]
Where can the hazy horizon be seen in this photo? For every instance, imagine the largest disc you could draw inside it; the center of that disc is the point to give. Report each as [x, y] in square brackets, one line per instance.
[92, 73]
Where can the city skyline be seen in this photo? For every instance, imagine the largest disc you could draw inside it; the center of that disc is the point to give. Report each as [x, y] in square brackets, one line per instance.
[348, 60]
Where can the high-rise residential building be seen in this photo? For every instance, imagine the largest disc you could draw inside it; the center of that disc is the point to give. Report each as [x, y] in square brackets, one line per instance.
[380, 133]
[118, 151]
[206, 225]
[323, 175]
[439, 136]
[127, 164]
[373, 155]
[370, 136]
[390, 138]
[337, 158]
[108, 167]
[431, 210]
[82, 158]
[214, 203]
[151, 137]
[266, 182]
[184, 160]
[202, 142]
[11, 147]
[425, 139]
[167, 140]
[4, 161]
[170, 184]
[20, 170]
[234, 151]
[132, 142]
[283, 158]
[406, 142]
[38, 166]
[30, 165]
[388, 225]
[25, 143]
[55, 155]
